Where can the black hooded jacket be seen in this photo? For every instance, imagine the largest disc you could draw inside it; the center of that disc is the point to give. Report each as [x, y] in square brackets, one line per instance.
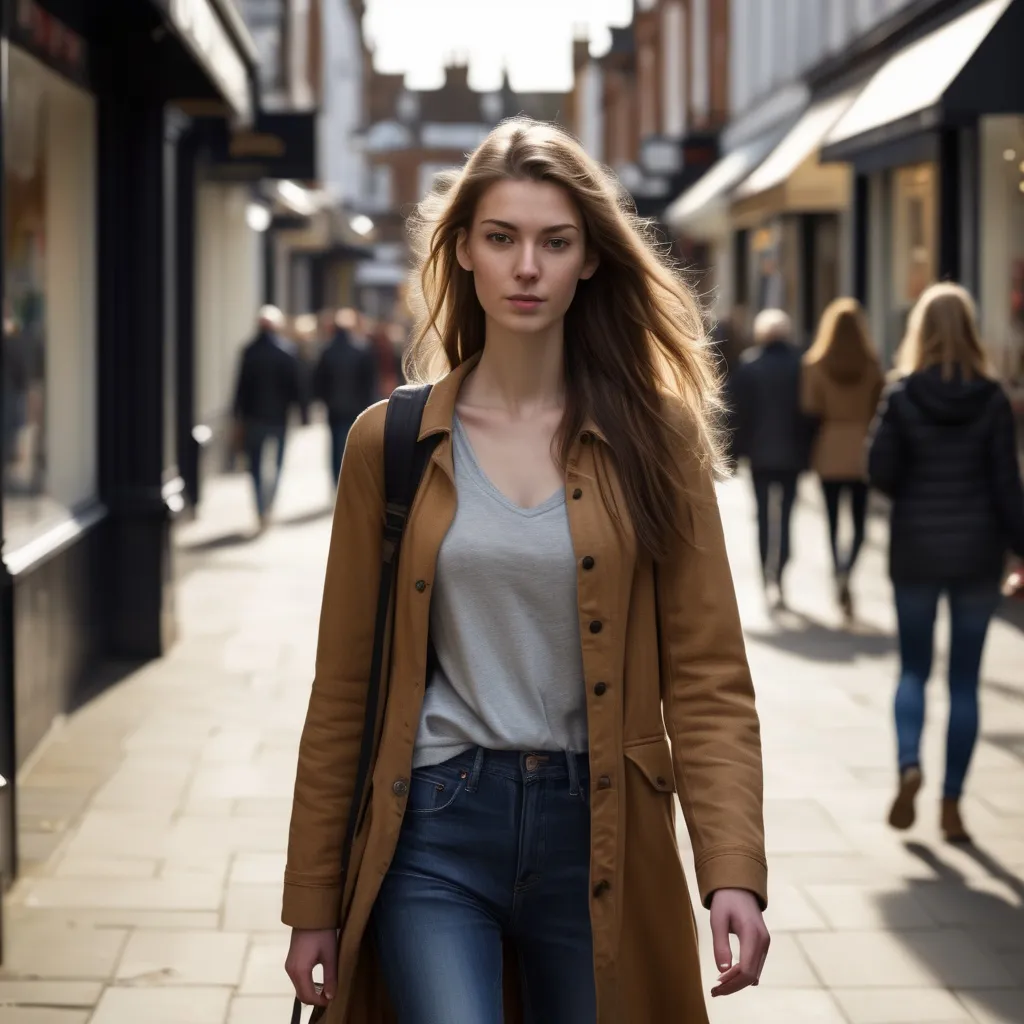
[945, 452]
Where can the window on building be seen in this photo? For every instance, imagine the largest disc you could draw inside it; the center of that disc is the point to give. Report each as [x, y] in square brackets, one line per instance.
[914, 241]
[49, 299]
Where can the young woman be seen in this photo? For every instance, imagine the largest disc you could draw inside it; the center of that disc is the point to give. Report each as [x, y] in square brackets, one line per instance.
[842, 381]
[944, 449]
[519, 852]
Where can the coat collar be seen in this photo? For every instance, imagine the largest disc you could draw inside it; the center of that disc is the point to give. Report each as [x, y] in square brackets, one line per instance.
[440, 407]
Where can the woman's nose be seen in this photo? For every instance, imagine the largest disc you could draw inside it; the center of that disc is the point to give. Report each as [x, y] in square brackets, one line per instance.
[527, 265]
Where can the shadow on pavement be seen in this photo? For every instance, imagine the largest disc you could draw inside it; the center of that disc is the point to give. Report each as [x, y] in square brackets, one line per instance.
[226, 540]
[1010, 742]
[805, 637]
[992, 925]
[312, 515]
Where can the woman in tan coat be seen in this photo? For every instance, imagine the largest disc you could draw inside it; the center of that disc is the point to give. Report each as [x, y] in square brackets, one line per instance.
[518, 857]
[842, 382]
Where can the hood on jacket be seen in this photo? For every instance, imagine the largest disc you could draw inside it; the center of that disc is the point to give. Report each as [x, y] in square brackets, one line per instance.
[949, 401]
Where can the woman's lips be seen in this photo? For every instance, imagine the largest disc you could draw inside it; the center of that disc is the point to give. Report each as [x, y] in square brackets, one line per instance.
[524, 303]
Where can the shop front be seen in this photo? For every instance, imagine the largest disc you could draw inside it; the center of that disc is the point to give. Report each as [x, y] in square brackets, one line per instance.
[935, 189]
[88, 277]
[792, 210]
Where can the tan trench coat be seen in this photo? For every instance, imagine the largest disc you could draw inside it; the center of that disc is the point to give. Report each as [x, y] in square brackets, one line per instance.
[645, 952]
[844, 409]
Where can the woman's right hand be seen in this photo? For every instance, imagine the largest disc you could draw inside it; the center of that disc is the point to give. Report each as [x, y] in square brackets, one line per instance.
[309, 948]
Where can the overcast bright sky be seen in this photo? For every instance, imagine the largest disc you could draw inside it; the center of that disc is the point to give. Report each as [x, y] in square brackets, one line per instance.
[532, 37]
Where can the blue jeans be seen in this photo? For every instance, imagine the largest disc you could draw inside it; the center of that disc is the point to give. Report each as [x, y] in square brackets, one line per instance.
[257, 435]
[971, 607]
[494, 845]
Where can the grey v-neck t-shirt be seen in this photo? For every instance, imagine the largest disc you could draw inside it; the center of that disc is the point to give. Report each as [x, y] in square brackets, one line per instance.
[505, 627]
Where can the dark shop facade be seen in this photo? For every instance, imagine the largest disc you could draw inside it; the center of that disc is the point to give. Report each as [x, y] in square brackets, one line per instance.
[100, 100]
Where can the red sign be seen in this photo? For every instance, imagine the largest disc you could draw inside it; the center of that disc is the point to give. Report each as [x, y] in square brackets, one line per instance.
[50, 39]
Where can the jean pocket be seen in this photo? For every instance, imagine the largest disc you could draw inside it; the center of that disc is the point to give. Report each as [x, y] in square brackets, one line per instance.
[434, 789]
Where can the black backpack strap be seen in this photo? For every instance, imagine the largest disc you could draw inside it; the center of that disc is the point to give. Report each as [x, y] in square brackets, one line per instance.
[405, 460]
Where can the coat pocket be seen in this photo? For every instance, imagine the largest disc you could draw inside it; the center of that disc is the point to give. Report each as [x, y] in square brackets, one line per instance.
[654, 758]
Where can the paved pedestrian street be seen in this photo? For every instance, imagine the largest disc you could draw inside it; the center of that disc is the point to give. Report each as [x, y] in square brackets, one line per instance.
[154, 820]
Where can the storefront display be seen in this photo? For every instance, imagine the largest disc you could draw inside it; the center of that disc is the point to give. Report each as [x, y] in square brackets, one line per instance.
[49, 296]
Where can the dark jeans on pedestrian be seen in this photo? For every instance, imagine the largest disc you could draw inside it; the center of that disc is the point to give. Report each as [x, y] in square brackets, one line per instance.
[858, 493]
[339, 437]
[773, 520]
[494, 845]
[971, 607]
[257, 436]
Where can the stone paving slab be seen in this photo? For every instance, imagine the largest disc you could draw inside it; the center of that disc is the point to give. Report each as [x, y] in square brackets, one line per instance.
[155, 819]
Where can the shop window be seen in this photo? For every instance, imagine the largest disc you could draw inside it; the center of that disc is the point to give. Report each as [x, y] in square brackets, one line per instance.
[49, 300]
[914, 235]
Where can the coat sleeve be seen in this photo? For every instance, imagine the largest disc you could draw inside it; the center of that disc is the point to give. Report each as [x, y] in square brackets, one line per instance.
[1006, 482]
[331, 736]
[885, 447]
[708, 700]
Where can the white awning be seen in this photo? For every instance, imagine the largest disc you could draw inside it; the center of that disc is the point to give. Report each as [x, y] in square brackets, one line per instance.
[912, 83]
[799, 143]
[702, 210]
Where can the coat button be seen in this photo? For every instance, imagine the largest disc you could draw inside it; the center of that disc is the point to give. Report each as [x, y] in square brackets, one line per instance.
[421, 585]
[604, 782]
[588, 562]
[586, 437]
[401, 787]
[601, 888]
[577, 494]
[660, 782]
[600, 689]
[595, 626]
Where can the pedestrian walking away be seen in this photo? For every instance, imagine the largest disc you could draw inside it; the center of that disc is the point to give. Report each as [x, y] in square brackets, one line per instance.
[842, 382]
[552, 684]
[772, 433]
[944, 450]
[345, 380]
[268, 387]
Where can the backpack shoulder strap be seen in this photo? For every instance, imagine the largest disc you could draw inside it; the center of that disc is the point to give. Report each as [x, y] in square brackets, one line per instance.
[405, 459]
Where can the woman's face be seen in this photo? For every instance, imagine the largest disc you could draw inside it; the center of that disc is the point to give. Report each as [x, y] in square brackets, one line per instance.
[526, 250]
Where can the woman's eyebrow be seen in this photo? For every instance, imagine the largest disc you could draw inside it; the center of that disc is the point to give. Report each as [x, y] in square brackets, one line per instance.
[506, 226]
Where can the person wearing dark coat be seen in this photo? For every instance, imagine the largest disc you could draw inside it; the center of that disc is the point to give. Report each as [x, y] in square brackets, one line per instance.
[269, 385]
[345, 380]
[944, 450]
[773, 434]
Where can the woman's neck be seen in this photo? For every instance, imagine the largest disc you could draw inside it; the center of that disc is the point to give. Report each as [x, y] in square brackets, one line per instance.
[519, 374]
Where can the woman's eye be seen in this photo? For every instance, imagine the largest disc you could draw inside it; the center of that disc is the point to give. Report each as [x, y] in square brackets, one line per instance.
[499, 237]
[558, 243]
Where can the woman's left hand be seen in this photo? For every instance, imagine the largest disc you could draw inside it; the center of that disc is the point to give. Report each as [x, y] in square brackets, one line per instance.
[737, 912]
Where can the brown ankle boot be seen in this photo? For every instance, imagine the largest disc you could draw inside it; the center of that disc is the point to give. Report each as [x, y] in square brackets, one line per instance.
[901, 814]
[952, 824]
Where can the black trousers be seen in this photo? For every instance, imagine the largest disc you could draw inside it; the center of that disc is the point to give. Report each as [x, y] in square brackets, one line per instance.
[774, 556]
[858, 492]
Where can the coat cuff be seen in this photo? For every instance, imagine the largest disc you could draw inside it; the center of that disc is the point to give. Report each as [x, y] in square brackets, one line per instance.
[732, 870]
[311, 907]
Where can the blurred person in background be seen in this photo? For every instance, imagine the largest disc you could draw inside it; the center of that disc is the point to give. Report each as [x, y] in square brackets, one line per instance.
[842, 382]
[345, 380]
[527, 778]
[387, 360]
[773, 434]
[944, 450]
[269, 386]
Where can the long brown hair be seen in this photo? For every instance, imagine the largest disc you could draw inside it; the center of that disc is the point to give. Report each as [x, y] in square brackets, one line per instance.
[634, 330]
[842, 346]
[943, 331]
